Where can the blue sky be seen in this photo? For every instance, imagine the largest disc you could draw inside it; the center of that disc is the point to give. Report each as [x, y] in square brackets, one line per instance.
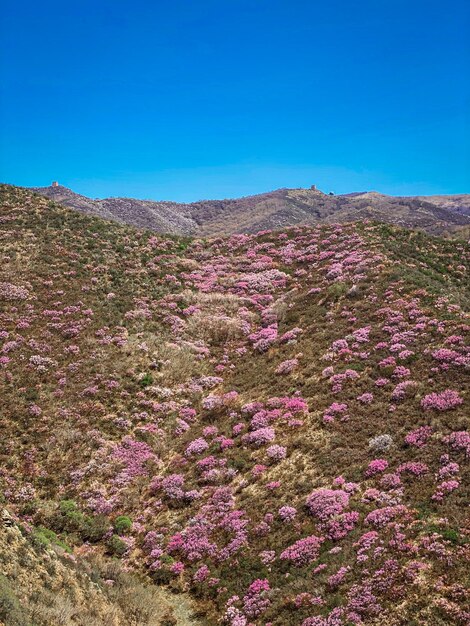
[189, 99]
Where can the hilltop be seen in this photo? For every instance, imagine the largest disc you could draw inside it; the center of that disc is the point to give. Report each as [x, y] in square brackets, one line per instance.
[273, 210]
[265, 428]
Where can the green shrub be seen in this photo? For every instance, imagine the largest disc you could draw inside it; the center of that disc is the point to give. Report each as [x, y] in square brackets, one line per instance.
[336, 290]
[451, 535]
[146, 380]
[94, 528]
[43, 537]
[116, 545]
[122, 524]
[446, 533]
[67, 506]
[70, 519]
[39, 541]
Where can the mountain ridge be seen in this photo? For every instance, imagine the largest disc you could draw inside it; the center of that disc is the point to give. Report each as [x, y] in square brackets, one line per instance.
[444, 214]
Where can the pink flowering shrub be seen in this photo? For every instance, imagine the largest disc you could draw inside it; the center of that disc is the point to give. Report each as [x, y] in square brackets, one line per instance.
[335, 580]
[172, 486]
[303, 551]
[290, 336]
[263, 339]
[413, 467]
[403, 389]
[8, 291]
[256, 600]
[444, 401]
[419, 437]
[133, 456]
[445, 488]
[459, 440]
[376, 466]
[201, 574]
[381, 517]
[286, 367]
[260, 437]
[448, 467]
[276, 452]
[328, 506]
[339, 526]
[336, 409]
[287, 513]
[197, 446]
[325, 503]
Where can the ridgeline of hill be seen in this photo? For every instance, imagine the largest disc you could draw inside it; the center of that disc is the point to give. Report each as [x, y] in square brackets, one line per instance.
[257, 429]
[276, 209]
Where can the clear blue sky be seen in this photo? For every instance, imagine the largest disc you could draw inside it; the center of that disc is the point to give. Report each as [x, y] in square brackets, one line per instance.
[189, 99]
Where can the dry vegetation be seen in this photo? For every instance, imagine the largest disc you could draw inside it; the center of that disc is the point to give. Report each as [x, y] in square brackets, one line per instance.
[253, 430]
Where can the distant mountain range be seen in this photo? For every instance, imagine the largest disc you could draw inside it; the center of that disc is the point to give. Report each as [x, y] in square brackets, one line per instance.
[275, 209]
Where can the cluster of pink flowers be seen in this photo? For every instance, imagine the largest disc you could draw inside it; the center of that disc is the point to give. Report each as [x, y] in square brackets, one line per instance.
[419, 437]
[263, 339]
[336, 409]
[402, 389]
[381, 517]
[134, 456]
[335, 580]
[201, 574]
[303, 552]
[448, 467]
[459, 440]
[276, 452]
[376, 466]
[444, 401]
[413, 467]
[447, 357]
[290, 336]
[366, 398]
[337, 380]
[260, 437]
[286, 367]
[8, 291]
[341, 525]
[197, 446]
[325, 503]
[329, 507]
[256, 600]
[444, 488]
[287, 513]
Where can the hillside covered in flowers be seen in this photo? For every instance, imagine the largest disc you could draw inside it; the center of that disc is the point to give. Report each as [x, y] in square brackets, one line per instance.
[271, 428]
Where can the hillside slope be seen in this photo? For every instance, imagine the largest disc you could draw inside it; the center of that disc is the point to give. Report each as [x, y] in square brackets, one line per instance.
[273, 426]
[276, 209]
[42, 584]
[459, 203]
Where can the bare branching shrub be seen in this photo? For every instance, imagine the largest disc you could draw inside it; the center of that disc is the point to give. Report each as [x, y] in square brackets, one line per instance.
[380, 443]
